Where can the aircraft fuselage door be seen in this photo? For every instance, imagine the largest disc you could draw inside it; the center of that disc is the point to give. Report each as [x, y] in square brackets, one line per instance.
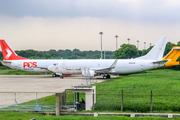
[19, 64]
[63, 66]
[141, 66]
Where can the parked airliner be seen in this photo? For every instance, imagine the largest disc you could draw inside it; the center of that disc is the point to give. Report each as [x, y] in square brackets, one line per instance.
[152, 60]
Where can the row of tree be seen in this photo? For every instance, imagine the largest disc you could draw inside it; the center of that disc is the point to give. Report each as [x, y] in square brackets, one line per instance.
[126, 51]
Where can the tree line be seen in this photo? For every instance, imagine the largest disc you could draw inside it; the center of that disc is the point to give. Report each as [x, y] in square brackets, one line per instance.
[126, 51]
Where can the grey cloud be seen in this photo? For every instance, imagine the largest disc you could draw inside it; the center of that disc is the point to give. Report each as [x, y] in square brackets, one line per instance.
[134, 10]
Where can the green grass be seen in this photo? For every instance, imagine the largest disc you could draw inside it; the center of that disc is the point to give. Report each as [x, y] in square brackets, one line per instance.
[165, 86]
[28, 116]
[19, 72]
[51, 100]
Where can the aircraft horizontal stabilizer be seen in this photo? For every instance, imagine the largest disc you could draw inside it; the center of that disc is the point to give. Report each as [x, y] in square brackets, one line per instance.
[161, 62]
[2, 61]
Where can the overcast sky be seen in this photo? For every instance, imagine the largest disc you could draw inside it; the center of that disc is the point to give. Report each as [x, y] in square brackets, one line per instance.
[70, 24]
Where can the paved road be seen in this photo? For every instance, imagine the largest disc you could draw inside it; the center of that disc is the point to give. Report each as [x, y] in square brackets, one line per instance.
[34, 83]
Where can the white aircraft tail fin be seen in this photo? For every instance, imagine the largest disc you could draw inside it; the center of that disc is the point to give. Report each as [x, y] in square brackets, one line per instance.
[156, 53]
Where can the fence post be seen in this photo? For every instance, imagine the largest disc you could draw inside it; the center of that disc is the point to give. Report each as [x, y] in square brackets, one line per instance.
[37, 99]
[151, 105]
[93, 100]
[122, 101]
[15, 101]
[74, 98]
[58, 104]
[65, 98]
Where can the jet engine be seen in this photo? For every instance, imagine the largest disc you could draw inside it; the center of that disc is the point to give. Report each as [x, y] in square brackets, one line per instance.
[88, 73]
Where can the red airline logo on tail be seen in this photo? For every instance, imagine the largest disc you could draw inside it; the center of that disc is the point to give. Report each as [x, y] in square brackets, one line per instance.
[8, 53]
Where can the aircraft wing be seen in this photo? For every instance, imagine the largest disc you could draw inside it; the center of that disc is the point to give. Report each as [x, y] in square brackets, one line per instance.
[42, 68]
[5, 61]
[161, 62]
[101, 70]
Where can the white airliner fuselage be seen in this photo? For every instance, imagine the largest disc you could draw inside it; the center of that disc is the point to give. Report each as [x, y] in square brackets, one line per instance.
[123, 66]
[152, 60]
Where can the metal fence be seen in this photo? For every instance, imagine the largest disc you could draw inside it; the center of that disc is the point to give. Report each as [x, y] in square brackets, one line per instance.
[27, 101]
[138, 101]
[36, 101]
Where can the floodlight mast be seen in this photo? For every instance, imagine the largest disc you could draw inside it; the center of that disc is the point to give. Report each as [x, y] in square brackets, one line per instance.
[128, 40]
[116, 41]
[101, 42]
[144, 45]
[137, 44]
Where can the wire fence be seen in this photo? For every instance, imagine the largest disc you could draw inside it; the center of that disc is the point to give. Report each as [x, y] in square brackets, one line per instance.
[141, 101]
[19, 101]
[138, 101]
[105, 101]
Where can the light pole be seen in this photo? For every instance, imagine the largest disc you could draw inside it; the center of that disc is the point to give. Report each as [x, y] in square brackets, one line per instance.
[101, 42]
[144, 45]
[137, 44]
[128, 40]
[116, 41]
[104, 54]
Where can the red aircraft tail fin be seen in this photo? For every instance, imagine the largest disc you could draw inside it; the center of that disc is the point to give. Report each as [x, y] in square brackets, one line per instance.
[8, 53]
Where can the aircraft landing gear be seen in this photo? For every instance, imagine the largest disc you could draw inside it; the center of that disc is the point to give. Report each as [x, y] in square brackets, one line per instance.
[55, 75]
[106, 76]
[61, 77]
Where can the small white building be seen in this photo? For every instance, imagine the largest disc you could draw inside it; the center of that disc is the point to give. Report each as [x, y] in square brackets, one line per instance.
[90, 96]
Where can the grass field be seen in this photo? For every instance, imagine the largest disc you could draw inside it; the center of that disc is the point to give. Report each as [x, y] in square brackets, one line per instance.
[28, 116]
[19, 72]
[165, 86]
[4, 70]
